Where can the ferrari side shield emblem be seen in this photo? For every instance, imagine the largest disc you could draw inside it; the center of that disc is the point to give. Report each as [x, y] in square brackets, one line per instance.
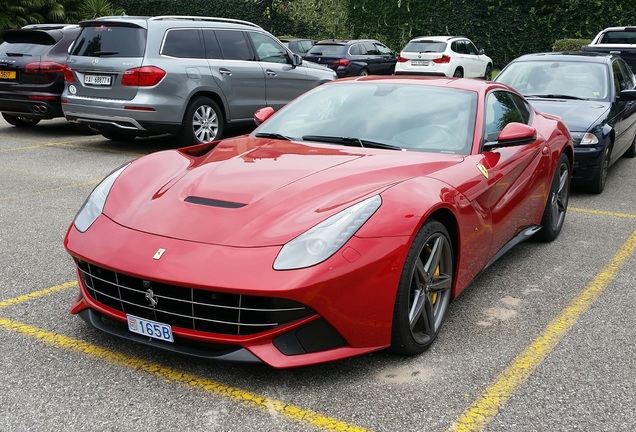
[161, 251]
[483, 170]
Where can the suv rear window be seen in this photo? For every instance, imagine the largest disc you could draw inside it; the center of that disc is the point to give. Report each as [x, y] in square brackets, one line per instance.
[619, 37]
[425, 46]
[327, 50]
[22, 49]
[111, 41]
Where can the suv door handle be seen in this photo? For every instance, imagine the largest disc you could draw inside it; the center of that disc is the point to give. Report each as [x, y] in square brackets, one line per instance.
[270, 72]
[226, 72]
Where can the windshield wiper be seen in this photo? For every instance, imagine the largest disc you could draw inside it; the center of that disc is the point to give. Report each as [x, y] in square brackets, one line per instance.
[554, 96]
[273, 135]
[349, 141]
[104, 53]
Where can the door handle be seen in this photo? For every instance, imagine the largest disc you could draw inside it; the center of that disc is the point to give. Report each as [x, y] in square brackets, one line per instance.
[225, 72]
[270, 72]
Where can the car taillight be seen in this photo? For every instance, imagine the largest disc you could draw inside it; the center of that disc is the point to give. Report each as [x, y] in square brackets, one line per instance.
[68, 75]
[401, 59]
[146, 76]
[442, 59]
[43, 67]
[340, 62]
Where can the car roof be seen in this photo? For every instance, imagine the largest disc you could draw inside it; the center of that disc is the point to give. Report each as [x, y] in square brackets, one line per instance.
[344, 41]
[437, 38]
[142, 21]
[575, 56]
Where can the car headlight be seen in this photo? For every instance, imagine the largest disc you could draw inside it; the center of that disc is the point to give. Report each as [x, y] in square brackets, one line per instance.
[323, 240]
[95, 202]
[584, 138]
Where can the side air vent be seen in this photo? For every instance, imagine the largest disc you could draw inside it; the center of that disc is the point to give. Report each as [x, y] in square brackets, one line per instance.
[213, 202]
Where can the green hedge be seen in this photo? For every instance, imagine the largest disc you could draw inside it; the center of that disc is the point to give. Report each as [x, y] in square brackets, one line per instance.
[506, 29]
[569, 44]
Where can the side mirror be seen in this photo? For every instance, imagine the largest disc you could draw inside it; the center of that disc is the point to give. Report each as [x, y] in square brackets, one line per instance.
[482, 51]
[627, 95]
[296, 60]
[263, 114]
[513, 134]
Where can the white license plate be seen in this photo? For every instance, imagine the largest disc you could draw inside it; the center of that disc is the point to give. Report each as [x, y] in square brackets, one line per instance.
[419, 62]
[97, 80]
[149, 328]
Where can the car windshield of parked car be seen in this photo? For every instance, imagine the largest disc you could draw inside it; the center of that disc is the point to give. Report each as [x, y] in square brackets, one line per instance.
[327, 50]
[558, 79]
[406, 117]
[425, 46]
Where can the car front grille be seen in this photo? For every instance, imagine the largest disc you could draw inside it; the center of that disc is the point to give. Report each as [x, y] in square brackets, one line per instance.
[189, 308]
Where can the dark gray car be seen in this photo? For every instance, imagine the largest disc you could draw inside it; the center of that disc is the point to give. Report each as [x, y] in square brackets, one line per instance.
[187, 76]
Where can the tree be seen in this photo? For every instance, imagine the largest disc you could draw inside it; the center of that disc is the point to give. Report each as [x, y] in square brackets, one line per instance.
[18, 13]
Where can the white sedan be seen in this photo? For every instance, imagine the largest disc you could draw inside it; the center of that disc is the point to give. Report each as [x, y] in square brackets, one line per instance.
[444, 55]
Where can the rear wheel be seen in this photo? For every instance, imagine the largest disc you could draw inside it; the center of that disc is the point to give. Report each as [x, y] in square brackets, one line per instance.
[458, 73]
[424, 290]
[363, 72]
[119, 136]
[557, 204]
[19, 121]
[202, 122]
[598, 183]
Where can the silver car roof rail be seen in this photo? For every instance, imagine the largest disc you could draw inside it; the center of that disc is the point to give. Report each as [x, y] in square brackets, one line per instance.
[48, 26]
[203, 18]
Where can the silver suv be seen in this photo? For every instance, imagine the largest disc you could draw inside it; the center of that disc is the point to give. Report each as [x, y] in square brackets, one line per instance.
[187, 76]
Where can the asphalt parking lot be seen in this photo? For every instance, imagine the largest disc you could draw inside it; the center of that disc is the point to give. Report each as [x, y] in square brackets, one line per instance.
[542, 341]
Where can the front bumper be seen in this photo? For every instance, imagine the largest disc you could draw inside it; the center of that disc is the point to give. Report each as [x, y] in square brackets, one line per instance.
[350, 296]
[587, 163]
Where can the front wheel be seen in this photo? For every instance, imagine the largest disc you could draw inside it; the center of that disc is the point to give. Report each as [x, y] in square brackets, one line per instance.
[598, 182]
[557, 204]
[202, 122]
[424, 290]
[488, 74]
[19, 121]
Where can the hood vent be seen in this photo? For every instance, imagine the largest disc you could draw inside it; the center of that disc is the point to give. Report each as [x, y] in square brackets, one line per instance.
[213, 202]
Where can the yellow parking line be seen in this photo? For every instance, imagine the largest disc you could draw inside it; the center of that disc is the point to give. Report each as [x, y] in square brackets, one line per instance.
[168, 374]
[45, 191]
[72, 144]
[477, 416]
[603, 213]
[37, 294]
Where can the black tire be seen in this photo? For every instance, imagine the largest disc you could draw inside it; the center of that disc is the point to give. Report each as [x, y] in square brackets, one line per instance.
[631, 151]
[85, 129]
[363, 72]
[202, 122]
[424, 291]
[488, 74]
[557, 203]
[119, 136]
[21, 122]
[458, 73]
[598, 182]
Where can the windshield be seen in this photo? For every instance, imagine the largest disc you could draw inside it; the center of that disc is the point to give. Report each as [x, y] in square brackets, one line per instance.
[576, 80]
[402, 116]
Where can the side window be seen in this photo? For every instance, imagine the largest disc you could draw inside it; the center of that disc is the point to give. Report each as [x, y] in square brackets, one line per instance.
[471, 48]
[385, 51]
[212, 48]
[500, 110]
[233, 45]
[371, 49]
[267, 49]
[461, 47]
[183, 43]
[357, 49]
[305, 46]
[627, 74]
[454, 47]
[524, 109]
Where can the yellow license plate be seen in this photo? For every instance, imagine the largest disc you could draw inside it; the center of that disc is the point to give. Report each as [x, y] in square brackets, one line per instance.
[7, 74]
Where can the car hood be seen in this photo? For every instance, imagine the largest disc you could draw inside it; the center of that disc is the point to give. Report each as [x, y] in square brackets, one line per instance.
[578, 115]
[312, 65]
[250, 192]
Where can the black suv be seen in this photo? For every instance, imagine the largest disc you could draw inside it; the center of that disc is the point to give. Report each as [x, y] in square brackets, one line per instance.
[32, 63]
[354, 57]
